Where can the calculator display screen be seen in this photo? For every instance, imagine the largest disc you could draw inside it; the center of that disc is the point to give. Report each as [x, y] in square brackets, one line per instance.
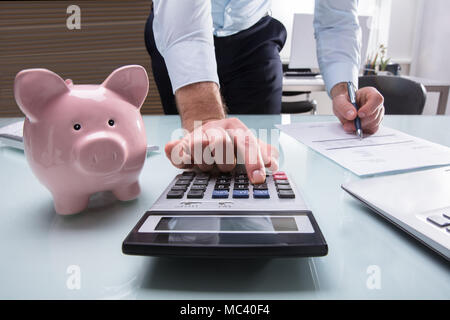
[227, 224]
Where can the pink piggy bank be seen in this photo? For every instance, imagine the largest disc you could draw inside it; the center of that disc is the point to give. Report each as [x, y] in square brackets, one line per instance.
[82, 139]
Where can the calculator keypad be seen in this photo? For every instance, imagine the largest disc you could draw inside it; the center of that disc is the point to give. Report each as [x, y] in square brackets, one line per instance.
[198, 187]
[261, 194]
[227, 185]
[282, 185]
[175, 194]
[179, 188]
[183, 182]
[240, 193]
[222, 187]
[220, 194]
[286, 194]
[262, 186]
[195, 194]
[201, 182]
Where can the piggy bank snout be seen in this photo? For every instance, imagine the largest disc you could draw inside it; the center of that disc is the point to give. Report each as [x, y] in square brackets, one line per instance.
[101, 153]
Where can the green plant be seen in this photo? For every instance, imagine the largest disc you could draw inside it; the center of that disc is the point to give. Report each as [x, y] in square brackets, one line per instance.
[380, 55]
[383, 60]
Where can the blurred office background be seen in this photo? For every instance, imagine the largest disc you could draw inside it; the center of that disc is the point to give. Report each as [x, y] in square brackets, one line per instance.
[415, 32]
[34, 34]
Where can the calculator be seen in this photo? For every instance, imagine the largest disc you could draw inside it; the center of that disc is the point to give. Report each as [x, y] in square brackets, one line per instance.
[224, 215]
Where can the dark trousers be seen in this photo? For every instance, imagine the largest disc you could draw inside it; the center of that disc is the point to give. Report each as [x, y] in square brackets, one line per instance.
[248, 65]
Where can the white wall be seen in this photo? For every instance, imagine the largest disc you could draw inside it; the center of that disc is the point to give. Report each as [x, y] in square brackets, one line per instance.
[431, 59]
[403, 25]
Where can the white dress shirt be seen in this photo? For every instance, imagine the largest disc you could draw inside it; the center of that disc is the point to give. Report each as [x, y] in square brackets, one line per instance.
[184, 32]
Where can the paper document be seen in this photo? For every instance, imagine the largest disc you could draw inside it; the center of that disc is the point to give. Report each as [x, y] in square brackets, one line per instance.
[385, 151]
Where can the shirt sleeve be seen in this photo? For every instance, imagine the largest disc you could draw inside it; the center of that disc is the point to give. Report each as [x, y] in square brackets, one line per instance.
[184, 36]
[338, 41]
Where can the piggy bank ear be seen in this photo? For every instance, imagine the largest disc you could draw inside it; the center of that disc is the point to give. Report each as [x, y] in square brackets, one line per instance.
[130, 82]
[35, 88]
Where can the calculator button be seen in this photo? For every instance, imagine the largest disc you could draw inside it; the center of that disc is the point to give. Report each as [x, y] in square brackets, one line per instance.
[178, 188]
[224, 176]
[241, 181]
[254, 184]
[195, 194]
[188, 174]
[284, 187]
[198, 187]
[177, 194]
[189, 179]
[182, 183]
[200, 182]
[279, 173]
[261, 194]
[220, 194]
[203, 176]
[289, 194]
[440, 221]
[241, 176]
[279, 177]
[222, 187]
[240, 193]
[262, 186]
[281, 182]
[240, 186]
[223, 181]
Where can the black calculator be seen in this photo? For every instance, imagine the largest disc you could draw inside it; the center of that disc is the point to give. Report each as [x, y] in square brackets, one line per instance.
[224, 215]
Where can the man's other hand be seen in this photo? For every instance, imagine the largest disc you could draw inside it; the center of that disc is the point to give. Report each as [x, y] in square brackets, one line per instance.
[371, 109]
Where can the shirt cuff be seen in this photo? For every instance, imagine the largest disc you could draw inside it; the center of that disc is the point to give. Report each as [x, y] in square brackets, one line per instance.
[190, 62]
[339, 72]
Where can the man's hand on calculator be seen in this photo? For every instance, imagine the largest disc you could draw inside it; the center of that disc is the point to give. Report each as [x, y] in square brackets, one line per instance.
[223, 144]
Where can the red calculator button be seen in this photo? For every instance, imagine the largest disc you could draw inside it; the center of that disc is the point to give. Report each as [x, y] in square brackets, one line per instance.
[280, 177]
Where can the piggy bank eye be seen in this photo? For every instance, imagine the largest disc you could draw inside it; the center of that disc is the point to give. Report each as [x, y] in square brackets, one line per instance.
[111, 122]
[77, 126]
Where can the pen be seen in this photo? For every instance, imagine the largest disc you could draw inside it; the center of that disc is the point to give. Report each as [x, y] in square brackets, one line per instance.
[352, 95]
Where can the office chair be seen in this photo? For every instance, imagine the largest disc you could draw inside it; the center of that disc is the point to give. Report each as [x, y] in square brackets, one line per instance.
[292, 102]
[401, 95]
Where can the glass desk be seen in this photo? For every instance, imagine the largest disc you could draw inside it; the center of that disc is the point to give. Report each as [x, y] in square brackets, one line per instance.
[44, 255]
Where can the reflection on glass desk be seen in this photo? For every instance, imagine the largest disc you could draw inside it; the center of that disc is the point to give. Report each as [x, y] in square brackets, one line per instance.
[44, 254]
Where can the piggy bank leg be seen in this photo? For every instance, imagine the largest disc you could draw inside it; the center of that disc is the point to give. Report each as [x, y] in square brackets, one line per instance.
[70, 204]
[128, 192]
